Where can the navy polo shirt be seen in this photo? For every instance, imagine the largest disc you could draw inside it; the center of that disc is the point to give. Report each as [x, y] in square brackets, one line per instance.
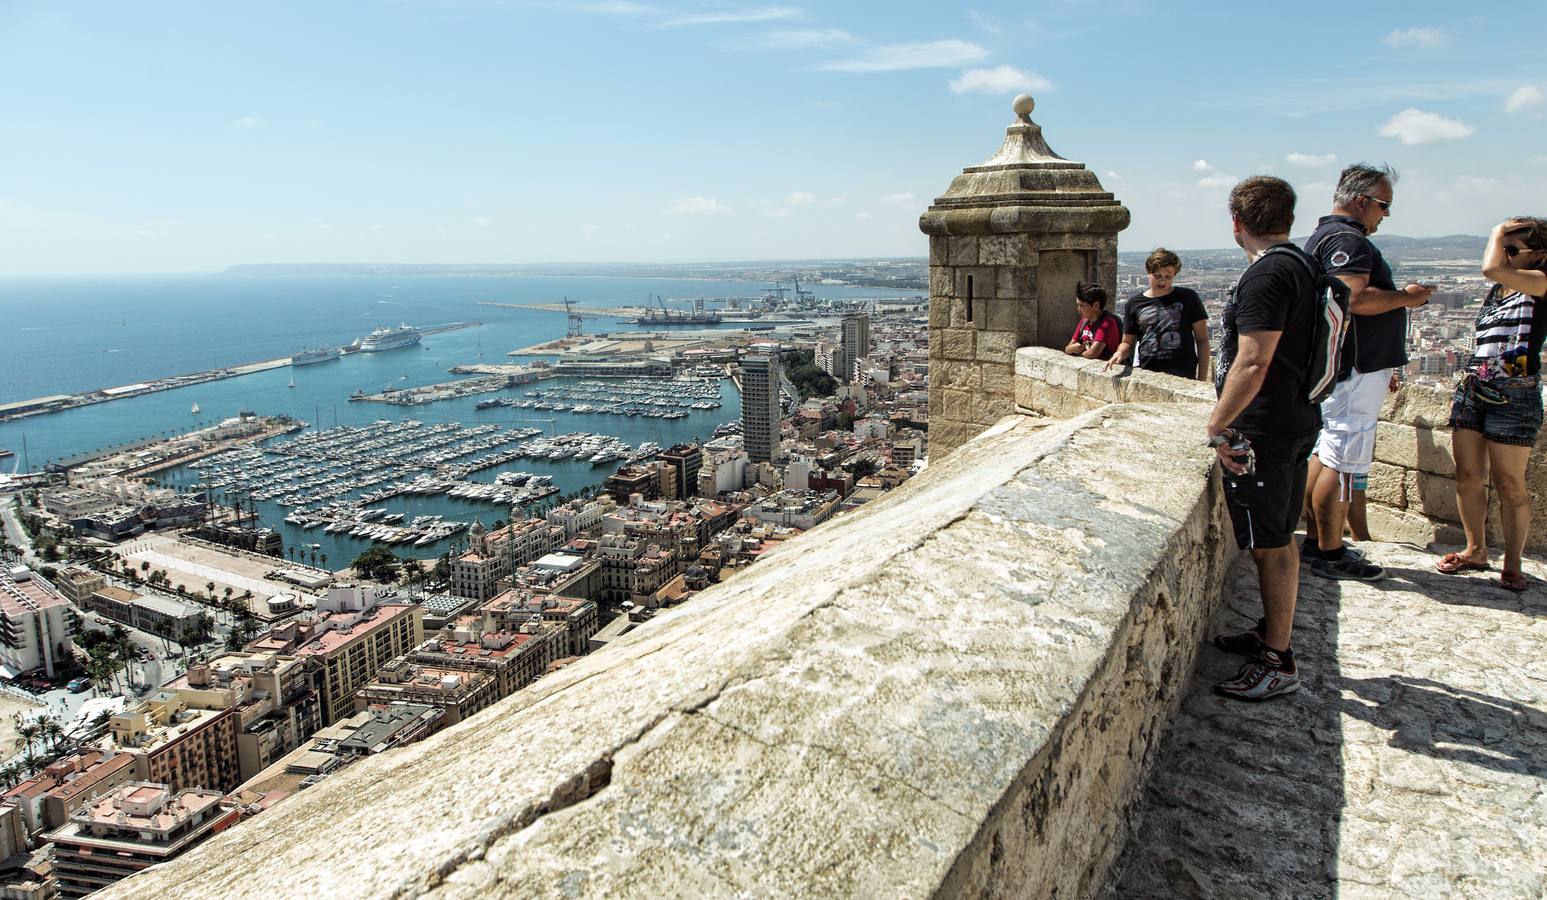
[1343, 248]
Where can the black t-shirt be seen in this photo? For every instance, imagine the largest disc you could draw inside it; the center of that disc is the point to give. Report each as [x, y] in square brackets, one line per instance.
[1275, 293]
[1164, 328]
[1374, 342]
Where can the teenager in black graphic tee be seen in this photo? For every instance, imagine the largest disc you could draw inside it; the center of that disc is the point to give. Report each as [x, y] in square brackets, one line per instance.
[1165, 328]
[1162, 329]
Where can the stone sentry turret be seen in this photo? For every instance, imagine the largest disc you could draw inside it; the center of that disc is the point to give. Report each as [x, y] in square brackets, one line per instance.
[1007, 243]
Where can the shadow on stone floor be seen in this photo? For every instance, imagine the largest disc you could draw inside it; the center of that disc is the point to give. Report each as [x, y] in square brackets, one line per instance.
[1246, 800]
[1452, 724]
[1471, 589]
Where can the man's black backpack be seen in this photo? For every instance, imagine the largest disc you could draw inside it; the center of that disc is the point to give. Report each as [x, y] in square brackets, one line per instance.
[1324, 369]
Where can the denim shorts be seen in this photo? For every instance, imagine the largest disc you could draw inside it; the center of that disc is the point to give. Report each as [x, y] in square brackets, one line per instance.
[1515, 421]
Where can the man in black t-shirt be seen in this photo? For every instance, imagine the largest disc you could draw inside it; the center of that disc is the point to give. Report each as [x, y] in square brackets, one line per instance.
[1165, 328]
[1264, 424]
[1375, 348]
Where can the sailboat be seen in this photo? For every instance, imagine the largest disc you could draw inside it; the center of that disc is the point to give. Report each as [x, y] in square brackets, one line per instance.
[195, 408]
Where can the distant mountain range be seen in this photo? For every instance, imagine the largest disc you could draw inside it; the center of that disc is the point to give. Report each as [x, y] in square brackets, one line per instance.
[1396, 248]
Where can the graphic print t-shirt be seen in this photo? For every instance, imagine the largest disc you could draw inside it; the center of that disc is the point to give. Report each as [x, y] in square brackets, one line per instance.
[1103, 329]
[1164, 328]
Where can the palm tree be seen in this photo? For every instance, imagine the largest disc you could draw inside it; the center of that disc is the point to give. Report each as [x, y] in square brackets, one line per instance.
[27, 733]
[209, 586]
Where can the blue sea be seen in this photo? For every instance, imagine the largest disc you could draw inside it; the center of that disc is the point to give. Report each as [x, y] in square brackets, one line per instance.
[69, 335]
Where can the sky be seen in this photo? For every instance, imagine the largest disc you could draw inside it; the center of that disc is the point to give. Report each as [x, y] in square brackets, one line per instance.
[155, 137]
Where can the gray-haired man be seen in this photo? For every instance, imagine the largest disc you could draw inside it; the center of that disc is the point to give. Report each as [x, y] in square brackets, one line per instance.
[1376, 346]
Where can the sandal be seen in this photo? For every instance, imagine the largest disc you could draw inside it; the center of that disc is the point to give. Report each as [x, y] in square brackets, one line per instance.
[1512, 581]
[1455, 562]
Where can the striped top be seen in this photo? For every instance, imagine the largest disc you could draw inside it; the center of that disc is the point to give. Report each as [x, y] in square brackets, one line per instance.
[1508, 343]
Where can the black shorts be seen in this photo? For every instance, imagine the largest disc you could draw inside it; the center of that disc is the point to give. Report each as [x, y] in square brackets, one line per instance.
[1265, 506]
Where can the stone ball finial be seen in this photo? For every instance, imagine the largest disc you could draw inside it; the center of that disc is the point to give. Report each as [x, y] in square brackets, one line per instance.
[1023, 105]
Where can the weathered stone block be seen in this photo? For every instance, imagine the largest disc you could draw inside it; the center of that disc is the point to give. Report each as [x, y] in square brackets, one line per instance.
[996, 346]
[1419, 405]
[1015, 281]
[962, 251]
[983, 286]
[942, 281]
[1004, 250]
[957, 343]
[1388, 486]
[1424, 449]
[997, 378]
[940, 312]
[1432, 495]
[987, 410]
[939, 250]
[960, 375]
[956, 404]
[1004, 313]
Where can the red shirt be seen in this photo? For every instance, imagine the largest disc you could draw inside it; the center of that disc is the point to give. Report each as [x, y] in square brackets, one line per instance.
[1104, 329]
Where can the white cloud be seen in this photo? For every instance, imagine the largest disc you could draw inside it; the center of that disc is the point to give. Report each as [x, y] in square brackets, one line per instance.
[777, 213]
[999, 80]
[902, 198]
[987, 23]
[248, 122]
[862, 216]
[837, 201]
[1212, 177]
[734, 16]
[147, 232]
[797, 39]
[591, 228]
[1523, 98]
[482, 221]
[1112, 174]
[376, 226]
[1414, 126]
[800, 198]
[1312, 160]
[697, 206]
[1424, 38]
[896, 57]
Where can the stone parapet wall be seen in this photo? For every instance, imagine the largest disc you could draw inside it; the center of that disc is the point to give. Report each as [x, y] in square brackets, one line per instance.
[1412, 490]
[953, 691]
[1412, 493]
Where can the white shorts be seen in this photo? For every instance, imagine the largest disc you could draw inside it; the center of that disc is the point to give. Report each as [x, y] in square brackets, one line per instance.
[1348, 419]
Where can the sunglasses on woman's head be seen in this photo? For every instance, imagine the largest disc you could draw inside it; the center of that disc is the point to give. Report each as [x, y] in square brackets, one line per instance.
[1511, 251]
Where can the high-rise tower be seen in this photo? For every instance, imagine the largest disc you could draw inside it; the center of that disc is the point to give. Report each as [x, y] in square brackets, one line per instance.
[760, 404]
[854, 344]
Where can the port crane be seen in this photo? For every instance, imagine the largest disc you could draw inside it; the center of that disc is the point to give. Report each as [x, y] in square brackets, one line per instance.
[576, 320]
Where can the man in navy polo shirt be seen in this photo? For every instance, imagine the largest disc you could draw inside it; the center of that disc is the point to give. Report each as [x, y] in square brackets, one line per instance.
[1375, 348]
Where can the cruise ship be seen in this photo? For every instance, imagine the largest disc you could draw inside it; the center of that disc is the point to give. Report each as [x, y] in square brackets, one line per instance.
[390, 339]
[308, 357]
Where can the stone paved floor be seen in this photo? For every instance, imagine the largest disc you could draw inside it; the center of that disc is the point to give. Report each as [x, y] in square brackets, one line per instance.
[1412, 763]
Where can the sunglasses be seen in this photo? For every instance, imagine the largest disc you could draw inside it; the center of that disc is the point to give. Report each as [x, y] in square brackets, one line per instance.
[1511, 251]
[1385, 205]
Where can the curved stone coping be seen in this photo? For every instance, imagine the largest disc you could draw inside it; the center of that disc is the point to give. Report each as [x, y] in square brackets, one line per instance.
[1053, 383]
[952, 690]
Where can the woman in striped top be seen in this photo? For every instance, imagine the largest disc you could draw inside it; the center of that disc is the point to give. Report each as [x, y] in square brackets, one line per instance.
[1497, 408]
